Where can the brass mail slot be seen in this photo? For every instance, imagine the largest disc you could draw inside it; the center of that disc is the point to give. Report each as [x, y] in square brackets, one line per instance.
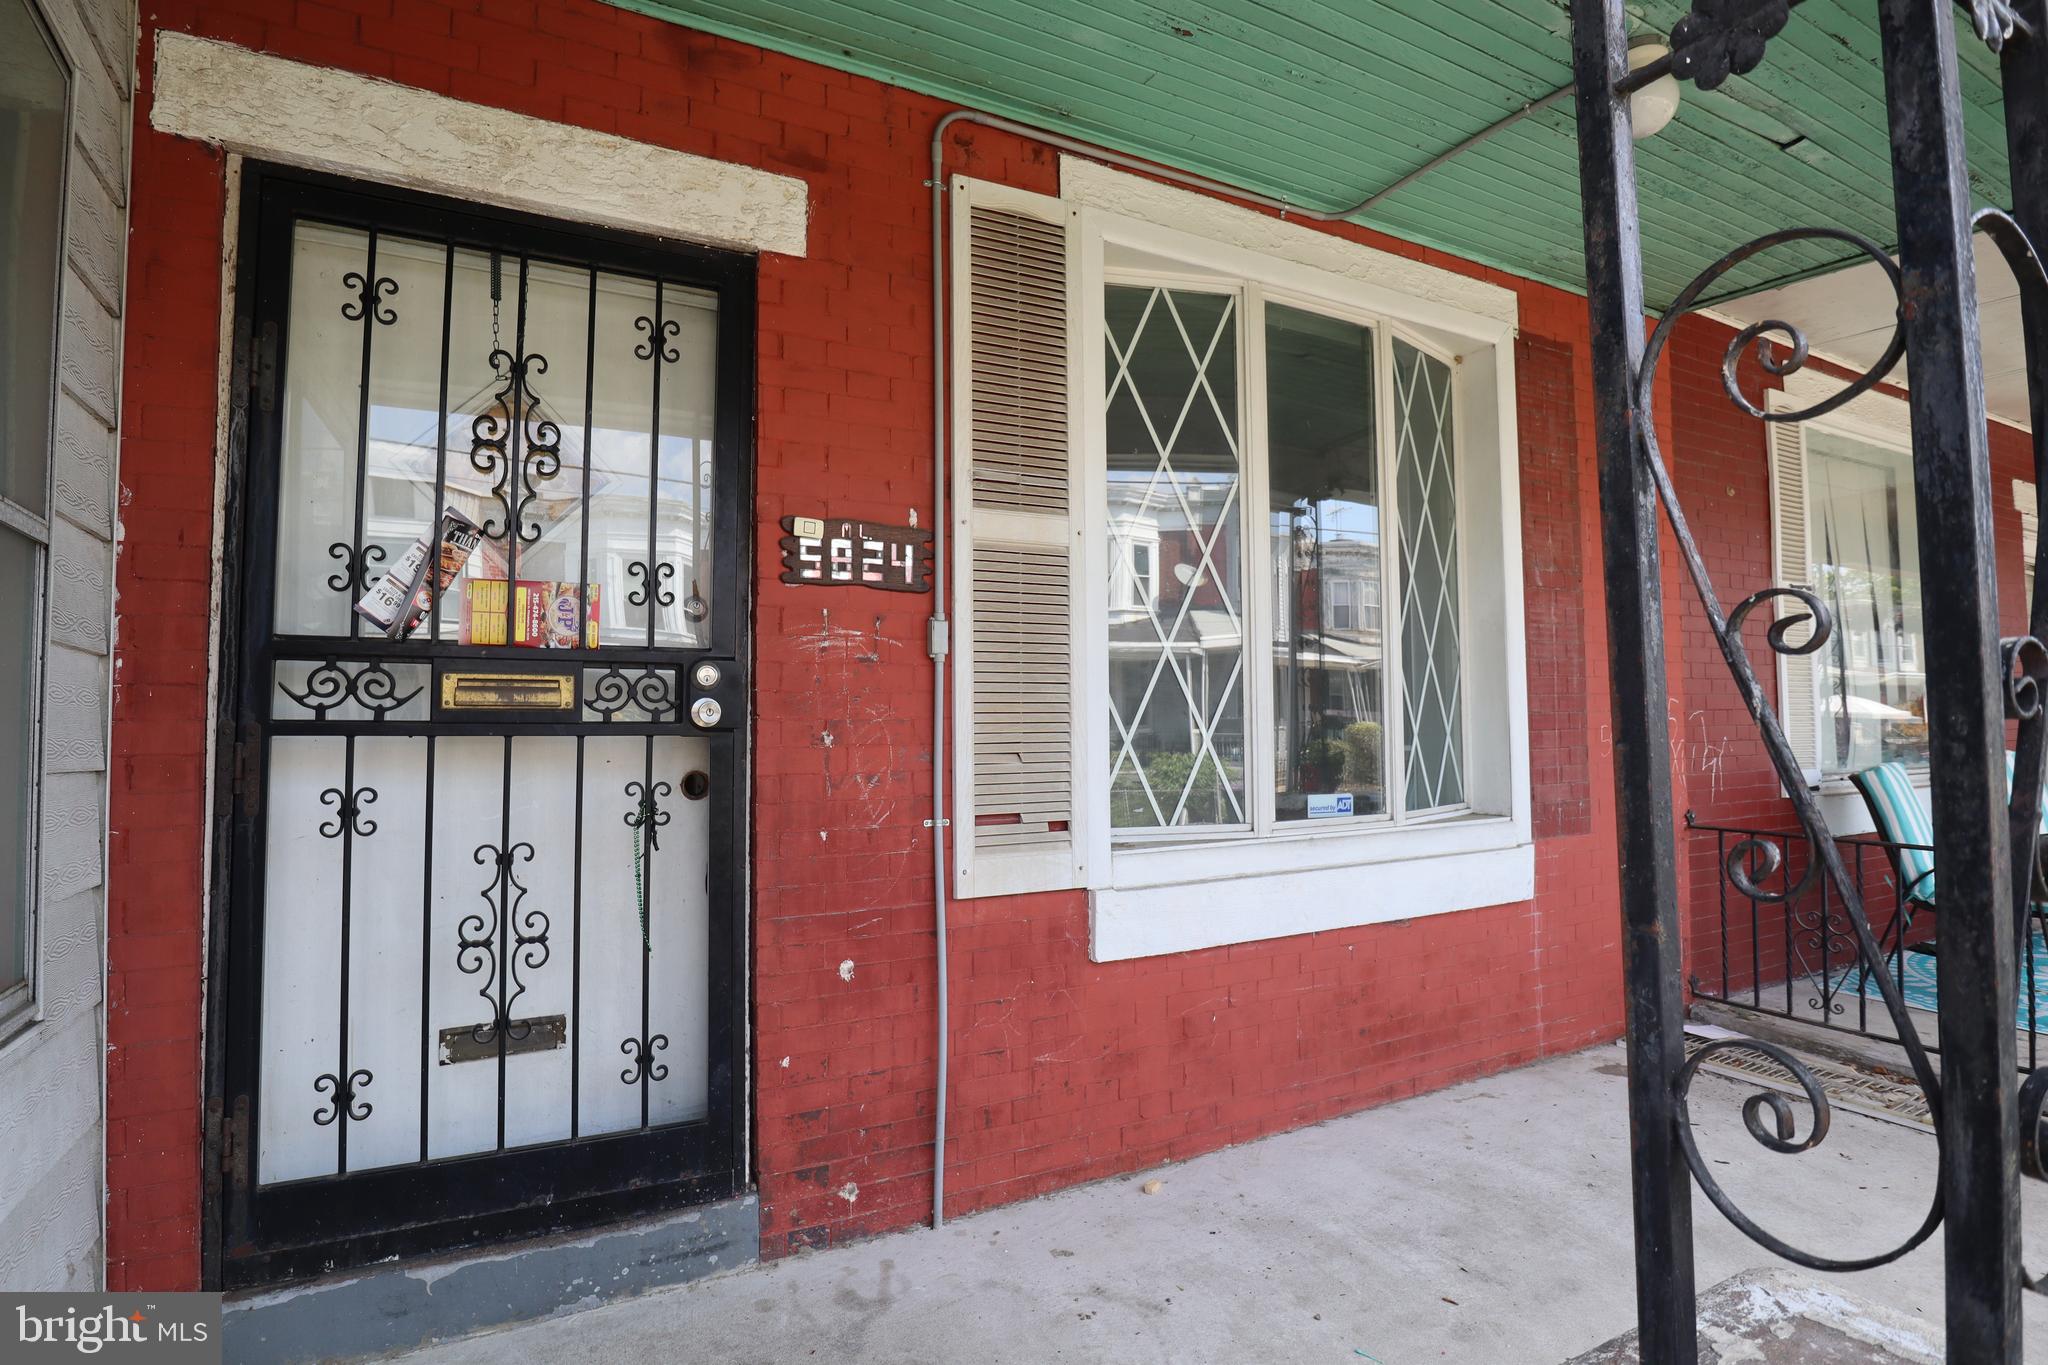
[477, 1043]
[508, 692]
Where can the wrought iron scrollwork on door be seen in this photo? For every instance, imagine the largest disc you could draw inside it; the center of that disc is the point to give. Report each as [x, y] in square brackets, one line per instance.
[337, 682]
[348, 814]
[503, 941]
[642, 1066]
[651, 582]
[354, 574]
[515, 407]
[369, 298]
[646, 816]
[344, 1101]
[658, 337]
[649, 690]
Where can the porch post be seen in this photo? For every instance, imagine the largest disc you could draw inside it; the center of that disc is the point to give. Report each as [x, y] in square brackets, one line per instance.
[1965, 707]
[2024, 77]
[1662, 1186]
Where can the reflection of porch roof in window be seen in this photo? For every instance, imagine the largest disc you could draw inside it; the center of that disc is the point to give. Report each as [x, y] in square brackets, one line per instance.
[1211, 631]
[1206, 628]
[1325, 104]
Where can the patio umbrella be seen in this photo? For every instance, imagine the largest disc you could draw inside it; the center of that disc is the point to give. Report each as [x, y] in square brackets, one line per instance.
[1863, 708]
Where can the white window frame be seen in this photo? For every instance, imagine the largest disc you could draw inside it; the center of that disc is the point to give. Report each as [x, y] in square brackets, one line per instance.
[1351, 606]
[1167, 891]
[21, 1006]
[1878, 419]
[2030, 537]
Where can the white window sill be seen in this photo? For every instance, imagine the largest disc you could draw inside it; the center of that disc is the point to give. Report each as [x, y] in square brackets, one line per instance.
[1178, 898]
[1844, 808]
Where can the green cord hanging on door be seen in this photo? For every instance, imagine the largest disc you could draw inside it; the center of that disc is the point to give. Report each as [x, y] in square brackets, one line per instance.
[645, 819]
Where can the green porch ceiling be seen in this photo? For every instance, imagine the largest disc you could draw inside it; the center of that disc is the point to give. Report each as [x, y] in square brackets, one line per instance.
[1324, 103]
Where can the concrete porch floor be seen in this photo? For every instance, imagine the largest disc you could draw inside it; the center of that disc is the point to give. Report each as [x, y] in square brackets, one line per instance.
[1486, 1224]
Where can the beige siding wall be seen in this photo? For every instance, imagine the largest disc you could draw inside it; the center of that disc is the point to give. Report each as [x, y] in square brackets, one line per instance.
[52, 1111]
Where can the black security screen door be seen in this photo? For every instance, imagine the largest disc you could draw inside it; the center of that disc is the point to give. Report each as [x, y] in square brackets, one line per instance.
[484, 949]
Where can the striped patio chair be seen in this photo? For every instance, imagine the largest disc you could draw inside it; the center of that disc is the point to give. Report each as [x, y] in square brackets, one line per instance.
[2009, 756]
[1899, 811]
[1902, 821]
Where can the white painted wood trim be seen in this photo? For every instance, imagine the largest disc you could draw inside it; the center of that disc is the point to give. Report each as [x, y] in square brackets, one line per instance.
[1185, 916]
[1825, 384]
[1172, 892]
[1873, 416]
[1398, 283]
[279, 110]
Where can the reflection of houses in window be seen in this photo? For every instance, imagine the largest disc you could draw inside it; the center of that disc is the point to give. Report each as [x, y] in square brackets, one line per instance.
[398, 493]
[1328, 617]
[432, 383]
[1134, 564]
[1175, 634]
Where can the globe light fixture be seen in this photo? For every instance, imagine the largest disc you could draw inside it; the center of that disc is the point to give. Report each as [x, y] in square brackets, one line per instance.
[1653, 106]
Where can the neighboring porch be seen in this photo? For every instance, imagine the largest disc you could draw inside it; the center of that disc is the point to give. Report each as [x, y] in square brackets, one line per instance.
[1486, 1224]
[1779, 948]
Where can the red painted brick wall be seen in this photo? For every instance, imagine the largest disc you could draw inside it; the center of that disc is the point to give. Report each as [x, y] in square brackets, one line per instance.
[1721, 469]
[1065, 1069]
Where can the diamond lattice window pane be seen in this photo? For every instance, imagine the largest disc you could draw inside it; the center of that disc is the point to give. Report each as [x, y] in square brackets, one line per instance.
[1425, 484]
[1176, 637]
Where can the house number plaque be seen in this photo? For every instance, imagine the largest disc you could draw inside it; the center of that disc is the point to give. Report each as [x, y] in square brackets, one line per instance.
[831, 552]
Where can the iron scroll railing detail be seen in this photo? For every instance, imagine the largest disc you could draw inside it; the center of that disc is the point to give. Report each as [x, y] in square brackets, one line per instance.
[1727, 627]
[1985, 827]
[1779, 945]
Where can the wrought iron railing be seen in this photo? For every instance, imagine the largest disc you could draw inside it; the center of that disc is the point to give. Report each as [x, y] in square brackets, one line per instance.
[1773, 938]
[1985, 825]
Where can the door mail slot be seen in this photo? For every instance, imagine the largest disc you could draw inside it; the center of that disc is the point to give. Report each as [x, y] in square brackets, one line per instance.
[466, 1043]
[508, 692]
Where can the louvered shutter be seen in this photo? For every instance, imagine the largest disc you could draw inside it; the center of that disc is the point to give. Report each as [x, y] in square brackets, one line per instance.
[1792, 566]
[1015, 655]
[2030, 536]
